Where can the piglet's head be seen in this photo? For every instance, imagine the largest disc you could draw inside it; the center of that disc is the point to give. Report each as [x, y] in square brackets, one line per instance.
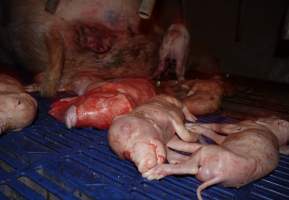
[17, 111]
[279, 127]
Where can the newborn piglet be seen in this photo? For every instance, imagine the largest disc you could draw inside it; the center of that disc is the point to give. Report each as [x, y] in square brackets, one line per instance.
[247, 153]
[279, 127]
[201, 96]
[141, 135]
[17, 108]
[175, 47]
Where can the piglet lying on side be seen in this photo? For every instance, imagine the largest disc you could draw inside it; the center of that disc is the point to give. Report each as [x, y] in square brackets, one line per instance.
[279, 127]
[247, 153]
[17, 108]
[141, 135]
[201, 96]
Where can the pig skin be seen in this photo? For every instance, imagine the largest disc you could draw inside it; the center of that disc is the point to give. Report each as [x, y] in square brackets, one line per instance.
[17, 108]
[142, 134]
[95, 36]
[102, 101]
[247, 153]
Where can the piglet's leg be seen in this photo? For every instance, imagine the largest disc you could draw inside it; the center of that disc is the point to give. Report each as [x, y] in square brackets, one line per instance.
[179, 145]
[175, 157]
[192, 91]
[34, 87]
[180, 68]
[160, 69]
[188, 115]
[224, 128]
[190, 166]
[181, 130]
[55, 48]
[199, 129]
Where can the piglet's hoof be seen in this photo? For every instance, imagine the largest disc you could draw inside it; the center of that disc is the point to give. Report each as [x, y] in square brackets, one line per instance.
[155, 173]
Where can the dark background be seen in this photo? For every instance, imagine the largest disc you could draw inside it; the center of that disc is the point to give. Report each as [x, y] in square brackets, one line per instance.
[245, 35]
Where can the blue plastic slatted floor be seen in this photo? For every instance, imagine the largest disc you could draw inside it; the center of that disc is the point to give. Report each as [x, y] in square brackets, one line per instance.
[48, 161]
